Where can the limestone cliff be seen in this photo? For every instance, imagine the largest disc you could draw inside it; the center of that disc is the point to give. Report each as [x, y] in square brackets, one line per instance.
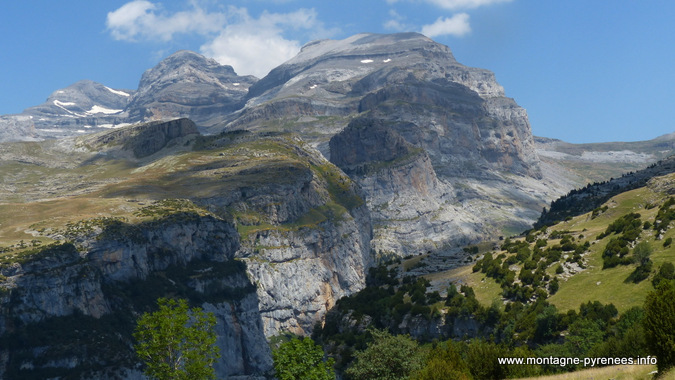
[89, 292]
[305, 236]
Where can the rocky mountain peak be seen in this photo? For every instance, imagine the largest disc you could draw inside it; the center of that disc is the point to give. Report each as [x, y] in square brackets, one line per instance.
[354, 57]
[85, 97]
[82, 107]
[187, 84]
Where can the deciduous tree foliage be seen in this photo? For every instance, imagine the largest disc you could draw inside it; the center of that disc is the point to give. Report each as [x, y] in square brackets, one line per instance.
[177, 342]
[388, 357]
[302, 359]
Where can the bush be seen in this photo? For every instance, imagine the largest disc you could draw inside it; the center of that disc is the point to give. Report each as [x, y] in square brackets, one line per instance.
[641, 253]
[302, 359]
[444, 362]
[482, 359]
[553, 286]
[666, 273]
[387, 357]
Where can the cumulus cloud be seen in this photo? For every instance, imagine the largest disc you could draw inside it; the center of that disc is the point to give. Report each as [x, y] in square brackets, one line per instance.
[232, 37]
[457, 4]
[464, 4]
[396, 22]
[143, 20]
[457, 25]
[256, 45]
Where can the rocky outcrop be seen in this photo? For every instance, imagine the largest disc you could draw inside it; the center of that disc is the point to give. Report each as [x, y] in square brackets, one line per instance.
[92, 291]
[142, 140]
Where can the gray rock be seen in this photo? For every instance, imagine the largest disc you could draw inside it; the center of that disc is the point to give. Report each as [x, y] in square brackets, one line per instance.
[187, 84]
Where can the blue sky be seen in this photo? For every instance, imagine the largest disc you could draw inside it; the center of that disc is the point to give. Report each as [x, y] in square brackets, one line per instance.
[585, 70]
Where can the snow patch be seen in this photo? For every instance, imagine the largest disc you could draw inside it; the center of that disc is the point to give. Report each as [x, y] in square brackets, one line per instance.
[236, 84]
[366, 61]
[116, 92]
[387, 60]
[98, 109]
[63, 104]
[313, 86]
[81, 131]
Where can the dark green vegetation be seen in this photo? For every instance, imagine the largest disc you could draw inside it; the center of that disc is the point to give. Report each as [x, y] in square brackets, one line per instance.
[519, 329]
[592, 197]
[302, 359]
[523, 269]
[659, 324]
[177, 342]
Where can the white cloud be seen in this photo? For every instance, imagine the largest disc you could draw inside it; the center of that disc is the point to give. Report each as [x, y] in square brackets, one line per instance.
[457, 4]
[457, 25]
[141, 19]
[232, 37]
[464, 4]
[396, 23]
[255, 46]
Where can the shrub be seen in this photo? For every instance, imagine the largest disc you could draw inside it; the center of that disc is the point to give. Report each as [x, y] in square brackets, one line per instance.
[387, 357]
[302, 359]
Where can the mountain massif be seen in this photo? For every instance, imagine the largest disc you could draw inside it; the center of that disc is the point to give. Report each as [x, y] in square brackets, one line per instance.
[261, 200]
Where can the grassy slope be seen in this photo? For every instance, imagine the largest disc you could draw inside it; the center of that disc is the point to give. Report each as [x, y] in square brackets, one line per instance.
[594, 283]
[609, 286]
[101, 186]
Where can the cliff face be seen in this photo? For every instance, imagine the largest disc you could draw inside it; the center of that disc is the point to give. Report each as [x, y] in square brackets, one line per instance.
[112, 273]
[419, 200]
[305, 237]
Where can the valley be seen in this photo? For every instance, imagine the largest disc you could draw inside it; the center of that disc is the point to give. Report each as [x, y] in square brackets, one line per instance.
[370, 182]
